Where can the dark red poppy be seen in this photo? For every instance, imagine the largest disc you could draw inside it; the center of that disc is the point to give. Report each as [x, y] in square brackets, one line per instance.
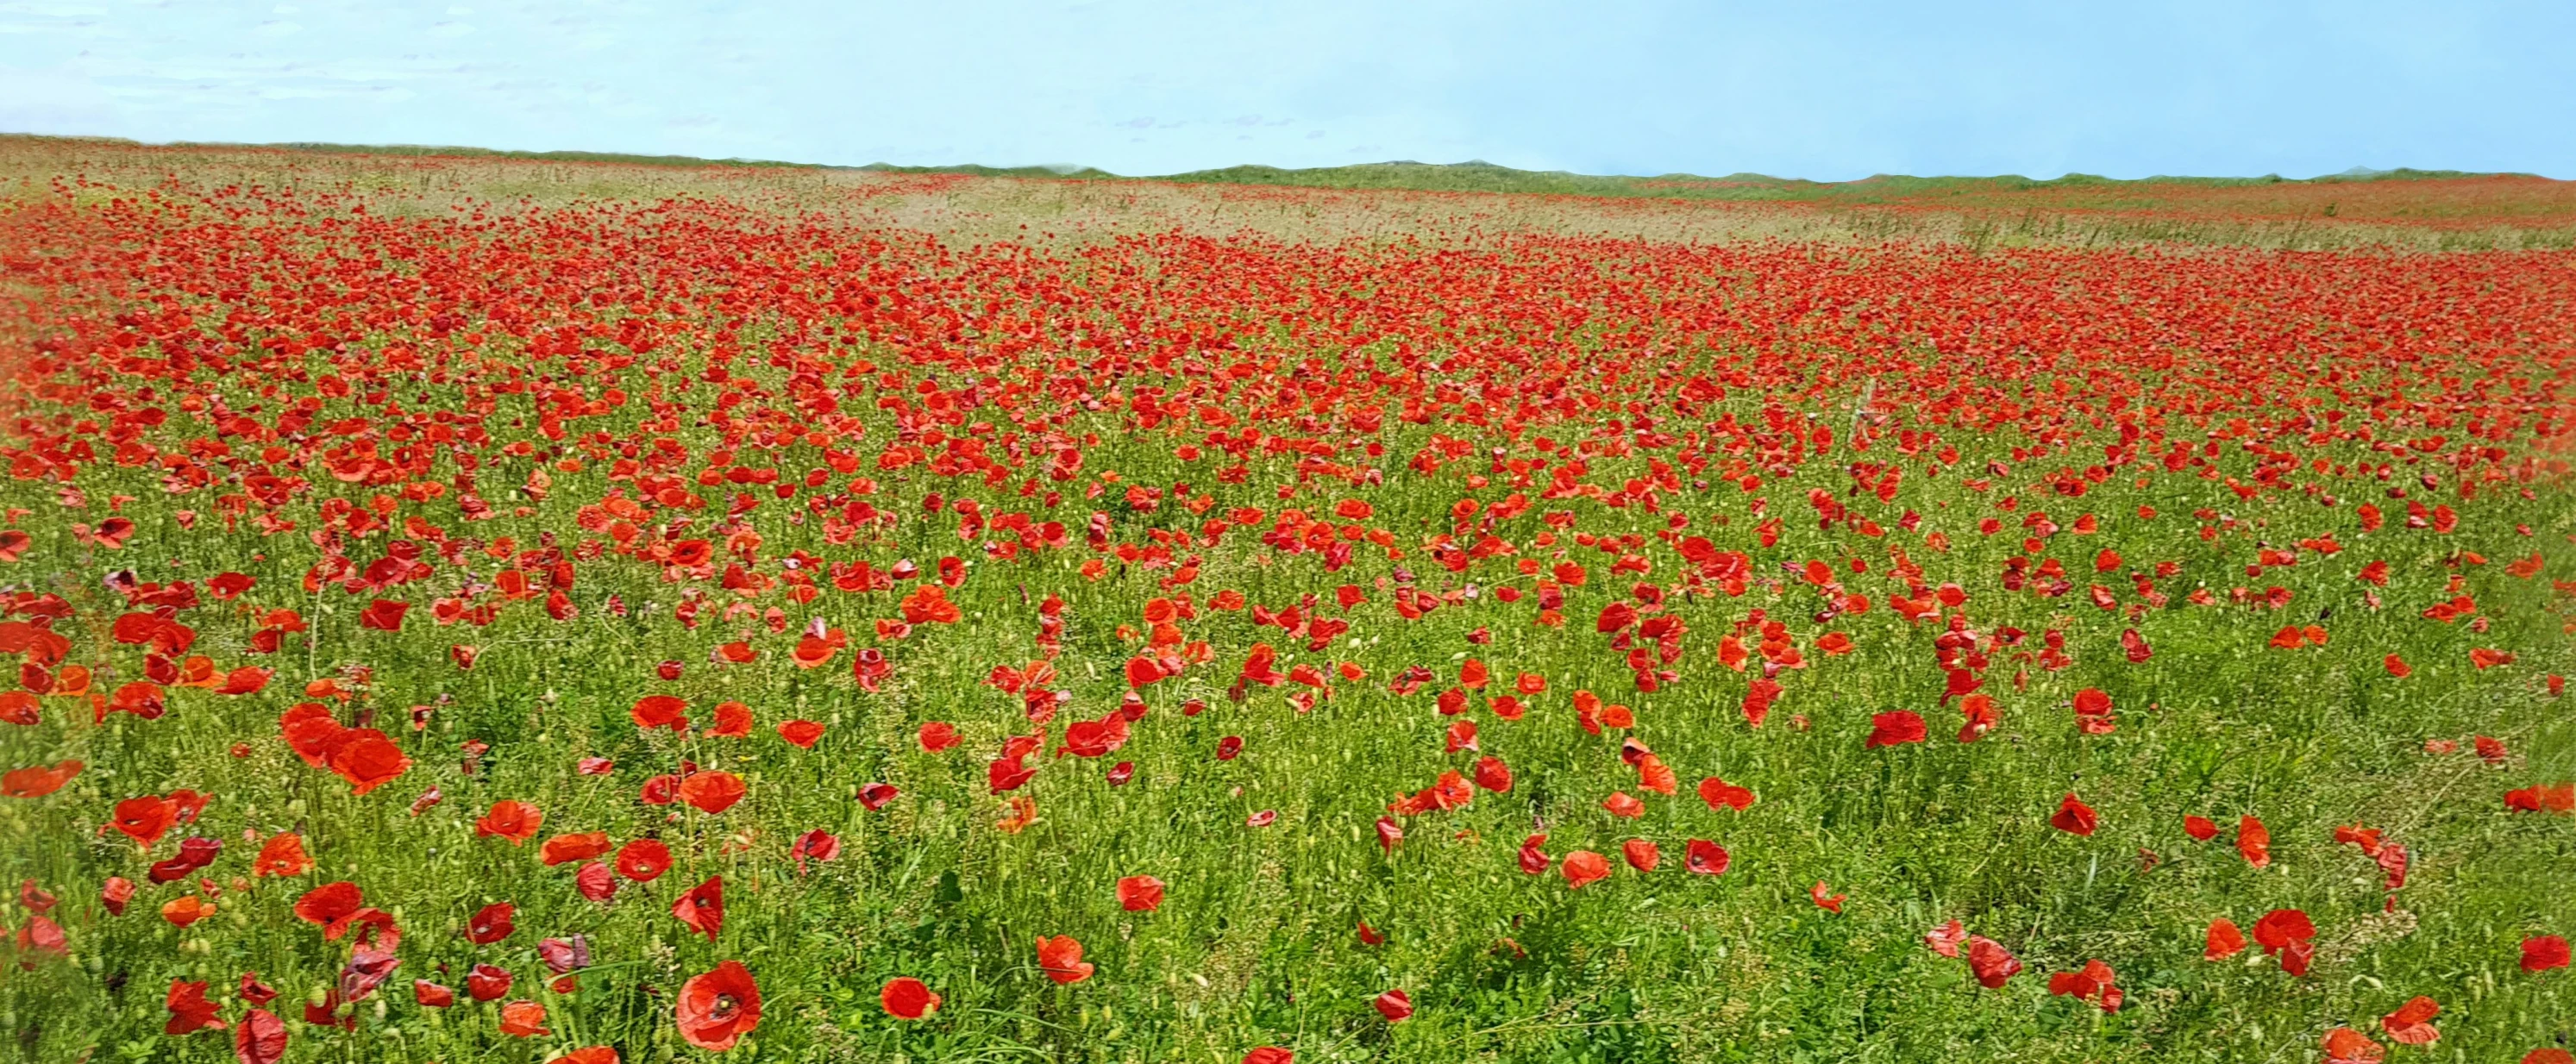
[383, 615]
[486, 982]
[491, 923]
[260, 1038]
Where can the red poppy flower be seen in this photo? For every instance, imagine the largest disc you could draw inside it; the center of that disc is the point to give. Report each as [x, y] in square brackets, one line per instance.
[1717, 792]
[2092, 983]
[1061, 959]
[906, 998]
[190, 1012]
[643, 860]
[660, 711]
[2343, 1045]
[937, 736]
[383, 615]
[2073, 815]
[37, 781]
[712, 792]
[1395, 1005]
[2223, 940]
[732, 721]
[803, 733]
[2288, 934]
[431, 995]
[1641, 854]
[1582, 867]
[2254, 842]
[1991, 963]
[565, 849]
[523, 1019]
[485, 982]
[595, 881]
[2544, 952]
[490, 924]
[367, 760]
[719, 1007]
[329, 903]
[144, 819]
[702, 908]
[260, 1038]
[1895, 729]
[1140, 894]
[1832, 903]
[510, 819]
[2412, 1023]
[1705, 858]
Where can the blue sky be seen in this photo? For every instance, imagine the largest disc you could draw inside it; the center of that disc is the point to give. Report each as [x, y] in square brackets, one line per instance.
[1820, 90]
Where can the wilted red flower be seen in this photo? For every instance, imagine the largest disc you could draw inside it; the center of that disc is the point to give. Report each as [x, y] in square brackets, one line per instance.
[1992, 964]
[582, 846]
[260, 1038]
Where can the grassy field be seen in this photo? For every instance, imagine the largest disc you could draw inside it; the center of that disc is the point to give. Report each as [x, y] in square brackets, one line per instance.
[1375, 570]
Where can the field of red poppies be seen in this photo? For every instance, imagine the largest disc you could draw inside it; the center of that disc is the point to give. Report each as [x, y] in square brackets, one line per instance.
[522, 611]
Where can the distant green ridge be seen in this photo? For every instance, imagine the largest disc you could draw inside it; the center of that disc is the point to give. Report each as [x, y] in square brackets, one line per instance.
[1474, 175]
